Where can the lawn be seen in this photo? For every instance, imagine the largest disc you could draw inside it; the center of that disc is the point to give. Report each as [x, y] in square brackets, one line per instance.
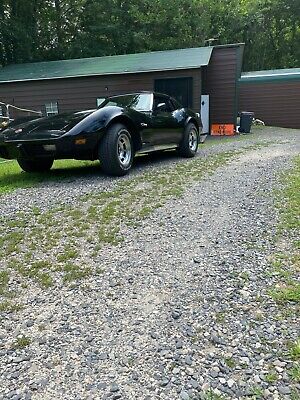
[12, 177]
[287, 264]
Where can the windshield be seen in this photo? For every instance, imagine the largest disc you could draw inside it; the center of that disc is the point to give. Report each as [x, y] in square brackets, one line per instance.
[139, 102]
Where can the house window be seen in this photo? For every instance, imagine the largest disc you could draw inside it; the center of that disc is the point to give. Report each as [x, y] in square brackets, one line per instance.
[51, 108]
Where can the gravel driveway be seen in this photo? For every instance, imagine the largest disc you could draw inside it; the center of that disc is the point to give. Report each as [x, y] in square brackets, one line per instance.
[179, 309]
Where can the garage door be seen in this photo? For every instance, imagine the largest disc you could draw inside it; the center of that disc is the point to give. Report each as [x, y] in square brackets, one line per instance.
[179, 88]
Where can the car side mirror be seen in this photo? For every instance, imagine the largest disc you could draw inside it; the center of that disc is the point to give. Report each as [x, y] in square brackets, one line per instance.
[160, 107]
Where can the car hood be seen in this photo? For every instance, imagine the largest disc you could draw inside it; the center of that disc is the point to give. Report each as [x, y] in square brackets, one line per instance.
[45, 128]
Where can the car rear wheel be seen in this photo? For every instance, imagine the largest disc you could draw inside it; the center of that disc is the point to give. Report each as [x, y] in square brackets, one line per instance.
[36, 165]
[189, 144]
[116, 150]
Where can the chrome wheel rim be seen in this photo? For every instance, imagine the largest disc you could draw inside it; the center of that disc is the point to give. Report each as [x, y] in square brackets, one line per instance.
[193, 140]
[124, 149]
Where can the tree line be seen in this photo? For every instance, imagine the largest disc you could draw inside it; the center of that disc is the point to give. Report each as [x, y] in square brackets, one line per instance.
[42, 30]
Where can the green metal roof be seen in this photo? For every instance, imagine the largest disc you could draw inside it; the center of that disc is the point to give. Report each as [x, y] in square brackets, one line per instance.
[271, 75]
[122, 64]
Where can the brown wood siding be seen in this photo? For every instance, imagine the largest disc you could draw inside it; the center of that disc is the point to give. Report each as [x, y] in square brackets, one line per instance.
[275, 103]
[220, 82]
[81, 93]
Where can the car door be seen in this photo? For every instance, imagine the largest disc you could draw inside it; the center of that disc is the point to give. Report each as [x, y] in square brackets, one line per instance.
[140, 111]
[165, 125]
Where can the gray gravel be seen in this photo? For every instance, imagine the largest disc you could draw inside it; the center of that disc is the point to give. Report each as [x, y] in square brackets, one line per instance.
[66, 192]
[182, 306]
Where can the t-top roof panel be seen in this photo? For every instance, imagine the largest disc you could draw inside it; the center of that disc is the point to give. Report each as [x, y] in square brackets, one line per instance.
[121, 64]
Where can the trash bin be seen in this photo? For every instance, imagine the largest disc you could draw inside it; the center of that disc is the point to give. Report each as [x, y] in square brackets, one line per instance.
[246, 121]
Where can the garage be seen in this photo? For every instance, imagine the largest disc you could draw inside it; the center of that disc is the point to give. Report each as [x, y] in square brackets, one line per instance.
[204, 79]
[274, 96]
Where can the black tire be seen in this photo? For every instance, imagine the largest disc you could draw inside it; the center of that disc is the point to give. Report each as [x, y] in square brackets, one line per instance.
[35, 165]
[189, 144]
[116, 150]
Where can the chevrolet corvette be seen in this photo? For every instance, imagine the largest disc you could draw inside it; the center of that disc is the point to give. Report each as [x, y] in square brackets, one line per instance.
[120, 128]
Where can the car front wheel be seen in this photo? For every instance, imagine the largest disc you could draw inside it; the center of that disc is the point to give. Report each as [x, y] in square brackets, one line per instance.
[116, 150]
[36, 165]
[189, 144]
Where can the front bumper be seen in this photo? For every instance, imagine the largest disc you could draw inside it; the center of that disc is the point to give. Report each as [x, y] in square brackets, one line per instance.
[77, 147]
[31, 149]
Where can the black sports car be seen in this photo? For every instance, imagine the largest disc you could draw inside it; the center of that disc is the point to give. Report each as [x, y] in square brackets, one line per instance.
[121, 127]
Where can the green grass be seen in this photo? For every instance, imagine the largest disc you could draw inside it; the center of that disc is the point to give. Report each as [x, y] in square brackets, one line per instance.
[230, 362]
[12, 177]
[94, 221]
[45, 280]
[287, 293]
[33, 269]
[294, 373]
[286, 265]
[290, 199]
[73, 272]
[22, 342]
[96, 218]
[8, 306]
[257, 393]
[220, 317]
[271, 377]
[11, 241]
[37, 271]
[68, 254]
[4, 279]
[295, 394]
[210, 395]
[294, 350]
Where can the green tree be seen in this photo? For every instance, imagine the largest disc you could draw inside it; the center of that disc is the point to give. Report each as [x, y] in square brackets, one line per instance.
[271, 31]
[124, 26]
[58, 29]
[18, 30]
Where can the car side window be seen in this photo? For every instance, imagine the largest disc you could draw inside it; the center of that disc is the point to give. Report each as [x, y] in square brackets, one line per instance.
[142, 102]
[169, 107]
